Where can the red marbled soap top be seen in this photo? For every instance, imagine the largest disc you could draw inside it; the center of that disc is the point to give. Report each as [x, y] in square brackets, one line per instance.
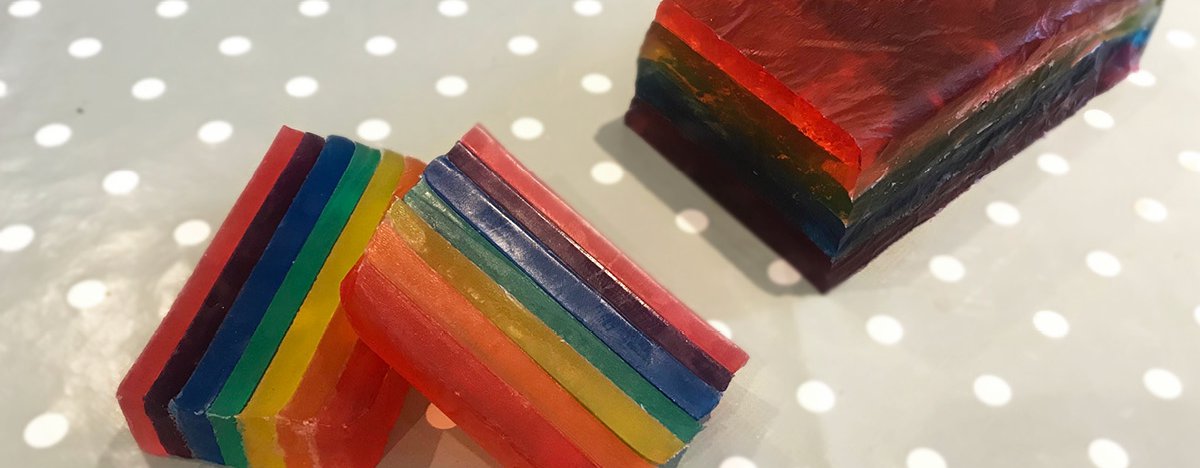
[859, 75]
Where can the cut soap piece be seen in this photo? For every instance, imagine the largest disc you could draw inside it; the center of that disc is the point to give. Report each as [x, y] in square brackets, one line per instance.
[132, 391]
[195, 340]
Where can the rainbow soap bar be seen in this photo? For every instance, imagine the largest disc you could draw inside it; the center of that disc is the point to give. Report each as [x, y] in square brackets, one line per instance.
[831, 129]
[261, 313]
[536, 346]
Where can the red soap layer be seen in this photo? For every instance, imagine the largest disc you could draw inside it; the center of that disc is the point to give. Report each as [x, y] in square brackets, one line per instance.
[498, 418]
[878, 71]
[678, 315]
[132, 391]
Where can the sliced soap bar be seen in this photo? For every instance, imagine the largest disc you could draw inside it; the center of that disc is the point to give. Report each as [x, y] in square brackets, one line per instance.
[553, 208]
[200, 331]
[469, 393]
[573, 256]
[189, 408]
[300, 352]
[132, 391]
[926, 101]
[500, 315]
[517, 283]
[658, 366]
[280, 314]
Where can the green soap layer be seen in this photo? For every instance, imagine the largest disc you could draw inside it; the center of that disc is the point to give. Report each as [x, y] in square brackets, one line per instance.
[508, 275]
[279, 315]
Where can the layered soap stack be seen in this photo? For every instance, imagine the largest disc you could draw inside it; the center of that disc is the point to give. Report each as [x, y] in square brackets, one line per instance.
[255, 363]
[833, 128]
[529, 329]
[474, 282]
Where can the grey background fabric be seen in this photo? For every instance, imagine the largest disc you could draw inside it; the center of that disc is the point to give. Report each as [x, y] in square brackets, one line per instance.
[1050, 317]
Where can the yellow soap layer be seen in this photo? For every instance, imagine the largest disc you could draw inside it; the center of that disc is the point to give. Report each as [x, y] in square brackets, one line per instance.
[609, 404]
[282, 377]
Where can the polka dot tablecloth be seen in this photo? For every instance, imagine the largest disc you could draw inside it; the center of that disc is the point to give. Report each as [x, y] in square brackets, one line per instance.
[1050, 317]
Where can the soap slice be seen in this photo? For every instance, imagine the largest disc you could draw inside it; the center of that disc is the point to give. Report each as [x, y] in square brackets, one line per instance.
[300, 282]
[553, 208]
[190, 406]
[183, 352]
[470, 394]
[650, 323]
[300, 352]
[658, 366]
[516, 282]
[499, 315]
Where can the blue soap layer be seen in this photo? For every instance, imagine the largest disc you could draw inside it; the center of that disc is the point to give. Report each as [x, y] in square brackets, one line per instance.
[659, 367]
[189, 407]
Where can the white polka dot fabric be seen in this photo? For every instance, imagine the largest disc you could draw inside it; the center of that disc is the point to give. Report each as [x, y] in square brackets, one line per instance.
[1050, 317]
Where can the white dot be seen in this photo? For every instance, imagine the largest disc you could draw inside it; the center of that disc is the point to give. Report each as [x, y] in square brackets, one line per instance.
[84, 47]
[781, 273]
[215, 131]
[816, 397]
[15, 237]
[3, 89]
[738, 462]
[947, 268]
[1181, 39]
[1190, 160]
[691, 221]
[451, 86]
[313, 8]
[86, 294]
[588, 7]
[607, 172]
[148, 88]
[46, 430]
[120, 182]
[52, 135]
[1053, 164]
[24, 8]
[374, 130]
[380, 46]
[922, 457]
[301, 86]
[1004, 214]
[992, 391]
[436, 418]
[1051, 324]
[192, 232]
[722, 328]
[1142, 78]
[234, 46]
[596, 83]
[1163, 383]
[522, 45]
[452, 8]
[1099, 119]
[1196, 315]
[171, 8]
[1103, 263]
[885, 329]
[527, 128]
[1105, 453]
[1150, 210]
